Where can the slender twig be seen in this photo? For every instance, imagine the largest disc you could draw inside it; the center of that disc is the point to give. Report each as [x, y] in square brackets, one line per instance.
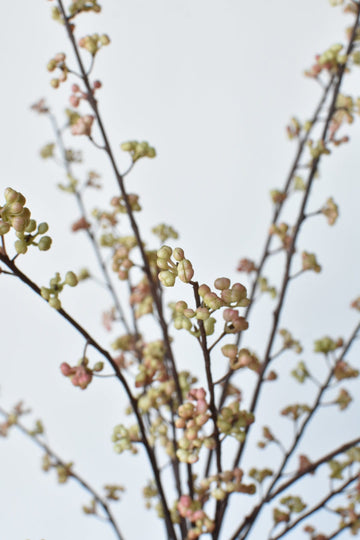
[270, 494]
[88, 232]
[317, 507]
[72, 474]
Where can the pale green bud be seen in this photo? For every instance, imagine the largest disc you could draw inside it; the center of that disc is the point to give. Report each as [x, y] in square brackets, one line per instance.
[164, 252]
[178, 254]
[43, 228]
[167, 278]
[185, 270]
[44, 243]
[4, 228]
[71, 279]
[99, 366]
[21, 246]
[31, 226]
[55, 303]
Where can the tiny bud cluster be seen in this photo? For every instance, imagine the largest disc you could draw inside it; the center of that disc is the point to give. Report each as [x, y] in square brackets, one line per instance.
[138, 150]
[51, 293]
[93, 43]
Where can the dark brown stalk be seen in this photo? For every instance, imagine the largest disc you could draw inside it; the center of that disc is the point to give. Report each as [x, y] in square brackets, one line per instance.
[133, 401]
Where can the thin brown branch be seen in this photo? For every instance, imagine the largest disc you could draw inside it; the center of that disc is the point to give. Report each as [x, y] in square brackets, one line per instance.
[75, 476]
[317, 507]
[133, 401]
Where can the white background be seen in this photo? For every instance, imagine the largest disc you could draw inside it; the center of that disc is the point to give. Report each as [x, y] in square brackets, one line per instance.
[211, 85]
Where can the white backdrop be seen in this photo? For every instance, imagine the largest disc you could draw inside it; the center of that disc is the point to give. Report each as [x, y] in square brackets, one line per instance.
[211, 85]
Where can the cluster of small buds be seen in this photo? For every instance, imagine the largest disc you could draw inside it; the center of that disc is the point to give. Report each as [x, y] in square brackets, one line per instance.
[126, 438]
[300, 373]
[152, 366]
[268, 438]
[12, 418]
[355, 304]
[294, 412]
[308, 528]
[234, 323]
[182, 268]
[119, 203]
[191, 510]
[164, 232]
[63, 470]
[192, 417]
[80, 224]
[159, 427]
[259, 475]
[327, 344]
[330, 211]
[232, 421]
[26, 239]
[293, 129]
[277, 196]
[81, 375]
[125, 343]
[289, 342]
[343, 399]
[40, 107]
[141, 298]
[266, 288]
[328, 61]
[343, 370]
[47, 151]
[79, 6]
[309, 262]
[241, 359]
[183, 316]
[294, 505]
[246, 265]
[77, 94]
[83, 125]
[58, 62]
[51, 294]
[14, 213]
[150, 492]
[70, 187]
[298, 183]
[138, 150]
[317, 149]
[121, 262]
[38, 429]
[344, 113]
[282, 232]
[72, 116]
[112, 491]
[226, 483]
[93, 43]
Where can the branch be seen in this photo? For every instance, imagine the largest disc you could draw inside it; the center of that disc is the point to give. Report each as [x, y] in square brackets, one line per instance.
[133, 401]
[88, 232]
[72, 474]
[317, 507]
